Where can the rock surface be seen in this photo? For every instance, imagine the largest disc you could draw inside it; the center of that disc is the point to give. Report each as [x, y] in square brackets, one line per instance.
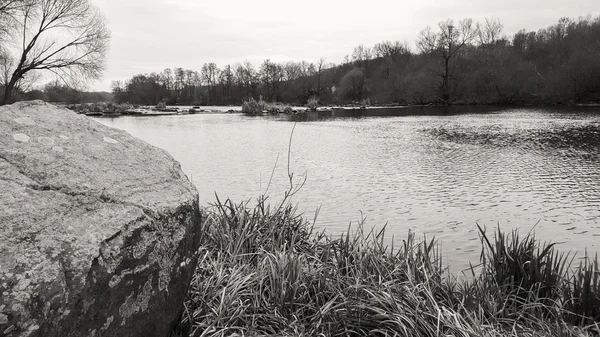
[98, 230]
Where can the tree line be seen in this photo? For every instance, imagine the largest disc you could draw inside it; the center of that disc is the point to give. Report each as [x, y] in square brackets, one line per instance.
[456, 62]
[282, 82]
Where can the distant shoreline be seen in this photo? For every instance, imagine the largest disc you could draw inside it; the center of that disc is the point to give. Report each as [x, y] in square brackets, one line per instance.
[184, 110]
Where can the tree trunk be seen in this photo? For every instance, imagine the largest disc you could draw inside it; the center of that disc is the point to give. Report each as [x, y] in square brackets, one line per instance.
[319, 85]
[8, 91]
[446, 93]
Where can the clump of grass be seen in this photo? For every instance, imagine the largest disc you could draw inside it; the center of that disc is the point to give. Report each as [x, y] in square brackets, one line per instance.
[529, 282]
[264, 271]
[253, 107]
[583, 295]
[521, 275]
[312, 104]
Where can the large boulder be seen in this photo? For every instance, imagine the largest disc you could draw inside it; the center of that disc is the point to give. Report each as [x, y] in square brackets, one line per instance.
[98, 230]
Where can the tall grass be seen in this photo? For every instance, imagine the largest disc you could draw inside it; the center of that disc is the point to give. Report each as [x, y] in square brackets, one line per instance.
[253, 107]
[312, 104]
[265, 271]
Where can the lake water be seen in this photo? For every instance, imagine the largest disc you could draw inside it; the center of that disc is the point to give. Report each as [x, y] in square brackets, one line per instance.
[436, 171]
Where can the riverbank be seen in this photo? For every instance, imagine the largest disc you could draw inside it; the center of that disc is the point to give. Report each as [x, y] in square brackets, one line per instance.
[261, 108]
[155, 113]
[109, 109]
[265, 271]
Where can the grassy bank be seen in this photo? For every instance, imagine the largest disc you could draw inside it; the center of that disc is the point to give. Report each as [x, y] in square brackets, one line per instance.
[264, 270]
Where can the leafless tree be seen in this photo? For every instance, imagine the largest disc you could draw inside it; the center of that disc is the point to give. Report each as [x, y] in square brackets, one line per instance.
[6, 64]
[390, 50]
[306, 70]
[362, 55]
[447, 42]
[210, 75]
[291, 70]
[7, 12]
[318, 71]
[490, 31]
[393, 54]
[8, 9]
[68, 38]
[8, 5]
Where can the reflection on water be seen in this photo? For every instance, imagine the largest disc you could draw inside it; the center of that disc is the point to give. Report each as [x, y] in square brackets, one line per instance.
[337, 113]
[434, 171]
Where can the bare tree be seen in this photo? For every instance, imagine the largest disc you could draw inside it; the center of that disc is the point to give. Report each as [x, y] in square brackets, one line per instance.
[361, 55]
[319, 70]
[447, 43]
[210, 76]
[266, 75]
[7, 12]
[394, 54]
[390, 50]
[6, 64]
[6, 9]
[227, 80]
[292, 71]
[251, 78]
[306, 70]
[6, 6]
[490, 31]
[68, 38]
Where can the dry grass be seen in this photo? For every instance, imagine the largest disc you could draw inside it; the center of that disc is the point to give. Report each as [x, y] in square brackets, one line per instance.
[254, 108]
[264, 271]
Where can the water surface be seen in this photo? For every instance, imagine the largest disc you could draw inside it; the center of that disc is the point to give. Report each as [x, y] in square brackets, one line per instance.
[435, 171]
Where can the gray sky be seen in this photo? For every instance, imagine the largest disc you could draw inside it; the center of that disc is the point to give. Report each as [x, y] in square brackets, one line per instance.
[151, 35]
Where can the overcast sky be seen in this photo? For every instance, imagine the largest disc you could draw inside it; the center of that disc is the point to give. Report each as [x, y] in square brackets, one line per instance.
[151, 35]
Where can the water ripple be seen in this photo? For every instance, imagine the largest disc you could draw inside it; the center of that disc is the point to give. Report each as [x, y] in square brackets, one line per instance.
[433, 174]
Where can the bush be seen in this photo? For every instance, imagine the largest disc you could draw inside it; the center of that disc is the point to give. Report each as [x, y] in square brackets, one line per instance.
[252, 107]
[312, 104]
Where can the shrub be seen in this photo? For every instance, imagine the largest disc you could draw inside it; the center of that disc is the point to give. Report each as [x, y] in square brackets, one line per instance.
[253, 107]
[312, 104]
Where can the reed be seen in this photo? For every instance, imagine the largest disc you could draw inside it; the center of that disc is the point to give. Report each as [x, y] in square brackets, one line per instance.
[265, 271]
[254, 108]
[312, 104]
